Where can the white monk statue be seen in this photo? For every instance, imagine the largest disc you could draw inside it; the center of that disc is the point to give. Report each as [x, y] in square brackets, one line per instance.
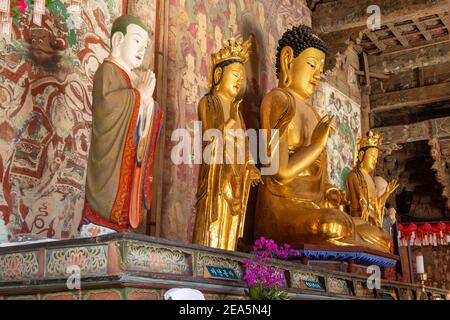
[125, 128]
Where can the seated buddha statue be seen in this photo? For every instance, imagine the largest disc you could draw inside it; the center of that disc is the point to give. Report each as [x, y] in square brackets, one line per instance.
[296, 204]
[367, 205]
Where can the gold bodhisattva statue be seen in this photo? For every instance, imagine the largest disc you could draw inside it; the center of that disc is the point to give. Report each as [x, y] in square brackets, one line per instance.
[294, 205]
[366, 207]
[223, 184]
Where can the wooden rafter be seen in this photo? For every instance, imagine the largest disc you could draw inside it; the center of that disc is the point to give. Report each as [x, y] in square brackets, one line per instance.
[366, 69]
[397, 33]
[376, 75]
[444, 20]
[372, 36]
[423, 29]
[347, 14]
[410, 97]
[421, 131]
[415, 46]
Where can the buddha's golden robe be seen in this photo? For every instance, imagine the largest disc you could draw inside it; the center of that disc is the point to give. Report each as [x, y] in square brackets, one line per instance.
[297, 211]
[222, 188]
[294, 212]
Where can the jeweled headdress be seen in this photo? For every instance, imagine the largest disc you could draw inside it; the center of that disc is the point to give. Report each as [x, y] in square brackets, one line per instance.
[373, 140]
[232, 50]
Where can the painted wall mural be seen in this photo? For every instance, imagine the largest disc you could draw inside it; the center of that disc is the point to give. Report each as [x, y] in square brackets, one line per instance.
[341, 146]
[45, 114]
[45, 102]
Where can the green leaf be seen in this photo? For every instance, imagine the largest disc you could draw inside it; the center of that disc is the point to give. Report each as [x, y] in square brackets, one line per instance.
[255, 293]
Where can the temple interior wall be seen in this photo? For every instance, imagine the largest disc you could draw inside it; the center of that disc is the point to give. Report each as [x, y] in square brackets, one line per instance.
[45, 116]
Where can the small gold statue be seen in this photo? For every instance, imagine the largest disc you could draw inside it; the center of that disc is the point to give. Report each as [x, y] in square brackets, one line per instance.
[297, 205]
[365, 204]
[224, 185]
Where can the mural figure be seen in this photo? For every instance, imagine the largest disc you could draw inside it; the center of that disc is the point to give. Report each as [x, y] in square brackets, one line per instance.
[45, 49]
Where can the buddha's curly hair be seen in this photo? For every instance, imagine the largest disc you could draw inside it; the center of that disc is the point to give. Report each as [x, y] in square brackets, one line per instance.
[299, 39]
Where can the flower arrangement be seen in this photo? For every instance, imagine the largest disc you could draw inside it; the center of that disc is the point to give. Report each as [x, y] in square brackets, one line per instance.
[264, 281]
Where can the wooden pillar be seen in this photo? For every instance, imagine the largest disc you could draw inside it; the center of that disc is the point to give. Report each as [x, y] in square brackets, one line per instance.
[365, 110]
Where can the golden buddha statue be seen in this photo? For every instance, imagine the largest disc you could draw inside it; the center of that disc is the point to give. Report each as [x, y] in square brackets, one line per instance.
[224, 184]
[297, 205]
[366, 206]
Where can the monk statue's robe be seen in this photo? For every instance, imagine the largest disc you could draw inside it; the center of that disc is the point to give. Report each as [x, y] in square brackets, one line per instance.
[123, 142]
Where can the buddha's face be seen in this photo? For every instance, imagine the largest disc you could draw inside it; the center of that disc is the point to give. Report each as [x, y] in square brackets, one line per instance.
[370, 159]
[231, 82]
[304, 72]
[130, 48]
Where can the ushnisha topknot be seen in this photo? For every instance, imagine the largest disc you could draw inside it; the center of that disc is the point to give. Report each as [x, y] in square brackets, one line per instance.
[299, 38]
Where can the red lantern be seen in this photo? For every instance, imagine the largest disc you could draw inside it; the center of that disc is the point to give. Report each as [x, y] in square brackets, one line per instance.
[442, 236]
[448, 233]
[426, 233]
[401, 235]
[411, 231]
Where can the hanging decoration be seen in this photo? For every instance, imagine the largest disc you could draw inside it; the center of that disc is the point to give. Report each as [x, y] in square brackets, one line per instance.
[38, 12]
[424, 235]
[5, 20]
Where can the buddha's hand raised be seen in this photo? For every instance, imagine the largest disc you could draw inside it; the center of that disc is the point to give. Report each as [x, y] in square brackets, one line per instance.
[234, 112]
[147, 85]
[322, 131]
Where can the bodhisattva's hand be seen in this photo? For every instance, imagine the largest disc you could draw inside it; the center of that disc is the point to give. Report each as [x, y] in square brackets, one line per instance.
[147, 85]
[234, 112]
[322, 131]
[392, 185]
[255, 175]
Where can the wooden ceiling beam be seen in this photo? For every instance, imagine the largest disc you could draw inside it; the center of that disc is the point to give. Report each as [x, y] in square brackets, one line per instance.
[346, 14]
[373, 37]
[444, 20]
[408, 60]
[423, 29]
[397, 33]
[410, 97]
[416, 45]
[421, 131]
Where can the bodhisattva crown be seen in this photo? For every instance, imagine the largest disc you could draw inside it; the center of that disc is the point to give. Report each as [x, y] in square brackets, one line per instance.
[232, 49]
[373, 139]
